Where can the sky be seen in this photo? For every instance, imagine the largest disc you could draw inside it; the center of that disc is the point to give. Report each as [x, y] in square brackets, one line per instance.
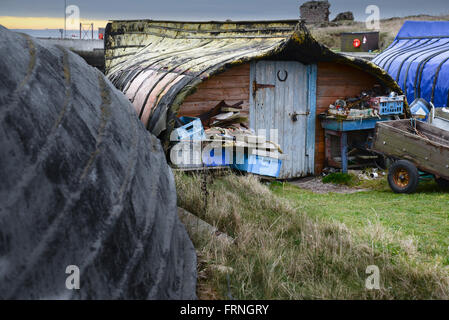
[41, 14]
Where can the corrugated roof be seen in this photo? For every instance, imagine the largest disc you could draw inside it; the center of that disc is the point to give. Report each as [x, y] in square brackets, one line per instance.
[158, 63]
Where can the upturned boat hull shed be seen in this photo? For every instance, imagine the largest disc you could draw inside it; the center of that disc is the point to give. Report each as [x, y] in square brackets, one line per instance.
[281, 73]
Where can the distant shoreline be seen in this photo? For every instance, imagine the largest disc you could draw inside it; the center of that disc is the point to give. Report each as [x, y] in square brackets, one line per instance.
[55, 33]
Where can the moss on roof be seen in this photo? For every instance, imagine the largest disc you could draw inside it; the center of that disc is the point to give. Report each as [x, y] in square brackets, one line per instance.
[158, 63]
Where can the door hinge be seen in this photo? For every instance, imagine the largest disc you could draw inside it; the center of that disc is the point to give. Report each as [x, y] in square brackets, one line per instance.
[257, 86]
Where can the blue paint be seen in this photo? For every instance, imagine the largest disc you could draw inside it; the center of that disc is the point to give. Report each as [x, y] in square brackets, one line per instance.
[421, 68]
[264, 166]
[344, 152]
[216, 157]
[351, 125]
[420, 109]
[312, 72]
[191, 130]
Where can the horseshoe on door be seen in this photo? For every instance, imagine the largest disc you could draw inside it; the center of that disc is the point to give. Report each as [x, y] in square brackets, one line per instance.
[285, 78]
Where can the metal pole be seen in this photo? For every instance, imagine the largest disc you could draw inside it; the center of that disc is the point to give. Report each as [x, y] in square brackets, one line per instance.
[65, 19]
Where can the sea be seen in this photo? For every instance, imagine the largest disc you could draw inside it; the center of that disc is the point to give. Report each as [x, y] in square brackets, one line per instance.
[57, 34]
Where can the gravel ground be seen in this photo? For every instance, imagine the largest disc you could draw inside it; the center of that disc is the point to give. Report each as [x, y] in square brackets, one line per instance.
[316, 185]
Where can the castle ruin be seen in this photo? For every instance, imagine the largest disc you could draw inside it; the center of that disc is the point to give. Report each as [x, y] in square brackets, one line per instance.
[315, 12]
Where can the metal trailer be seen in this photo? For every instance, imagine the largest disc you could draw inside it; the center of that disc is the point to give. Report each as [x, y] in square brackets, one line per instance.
[419, 150]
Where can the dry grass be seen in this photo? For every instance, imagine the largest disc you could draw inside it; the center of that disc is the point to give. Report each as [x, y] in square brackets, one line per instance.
[330, 36]
[282, 253]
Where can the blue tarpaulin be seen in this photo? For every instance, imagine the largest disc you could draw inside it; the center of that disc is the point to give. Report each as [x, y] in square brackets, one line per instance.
[418, 59]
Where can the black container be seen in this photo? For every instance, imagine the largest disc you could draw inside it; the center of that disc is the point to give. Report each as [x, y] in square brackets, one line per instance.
[369, 41]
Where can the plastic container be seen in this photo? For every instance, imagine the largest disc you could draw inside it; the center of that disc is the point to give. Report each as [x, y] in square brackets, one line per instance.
[264, 166]
[191, 130]
[420, 109]
[388, 105]
[211, 158]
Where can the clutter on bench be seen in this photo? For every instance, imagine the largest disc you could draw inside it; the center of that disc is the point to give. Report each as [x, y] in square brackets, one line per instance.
[369, 104]
[349, 125]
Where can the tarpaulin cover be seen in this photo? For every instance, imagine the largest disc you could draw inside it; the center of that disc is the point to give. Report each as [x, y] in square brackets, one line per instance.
[418, 59]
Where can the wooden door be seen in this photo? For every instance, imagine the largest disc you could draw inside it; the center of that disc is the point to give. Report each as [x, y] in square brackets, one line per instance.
[282, 103]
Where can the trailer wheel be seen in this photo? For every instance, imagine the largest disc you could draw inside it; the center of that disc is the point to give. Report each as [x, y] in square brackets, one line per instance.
[442, 183]
[403, 177]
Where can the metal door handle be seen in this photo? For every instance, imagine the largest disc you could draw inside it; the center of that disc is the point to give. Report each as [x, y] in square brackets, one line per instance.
[294, 115]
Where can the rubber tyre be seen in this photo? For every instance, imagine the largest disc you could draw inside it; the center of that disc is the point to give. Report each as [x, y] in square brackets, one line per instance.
[409, 170]
[442, 183]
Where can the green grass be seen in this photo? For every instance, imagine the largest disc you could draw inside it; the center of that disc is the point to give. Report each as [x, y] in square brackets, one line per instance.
[340, 178]
[424, 216]
[293, 244]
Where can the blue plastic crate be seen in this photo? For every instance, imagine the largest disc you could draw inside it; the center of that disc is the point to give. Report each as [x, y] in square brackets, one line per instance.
[264, 166]
[211, 159]
[191, 130]
[240, 162]
[389, 105]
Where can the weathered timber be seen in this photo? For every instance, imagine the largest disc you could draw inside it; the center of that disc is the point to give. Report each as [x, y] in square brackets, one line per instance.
[331, 80]
[207, 116]
[181, 63]
[197, 227]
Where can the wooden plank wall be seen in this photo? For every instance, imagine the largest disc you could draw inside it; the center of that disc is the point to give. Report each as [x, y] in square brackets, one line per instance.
[232, 86]
[336, 81]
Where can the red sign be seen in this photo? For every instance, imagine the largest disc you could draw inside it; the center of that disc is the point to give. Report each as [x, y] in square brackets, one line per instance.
[356, 43]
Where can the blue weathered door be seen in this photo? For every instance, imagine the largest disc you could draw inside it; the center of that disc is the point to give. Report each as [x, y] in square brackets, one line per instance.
[282, 102]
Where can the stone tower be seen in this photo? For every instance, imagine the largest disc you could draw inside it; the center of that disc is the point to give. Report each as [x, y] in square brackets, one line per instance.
[315, 12]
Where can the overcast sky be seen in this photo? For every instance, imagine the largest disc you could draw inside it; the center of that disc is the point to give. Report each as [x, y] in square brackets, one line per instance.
[212, 9]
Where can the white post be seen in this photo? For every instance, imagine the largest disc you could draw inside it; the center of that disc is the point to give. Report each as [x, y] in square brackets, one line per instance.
[65, 19]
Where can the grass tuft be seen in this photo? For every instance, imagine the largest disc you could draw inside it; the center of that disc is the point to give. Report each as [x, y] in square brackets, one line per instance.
[285, 250]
